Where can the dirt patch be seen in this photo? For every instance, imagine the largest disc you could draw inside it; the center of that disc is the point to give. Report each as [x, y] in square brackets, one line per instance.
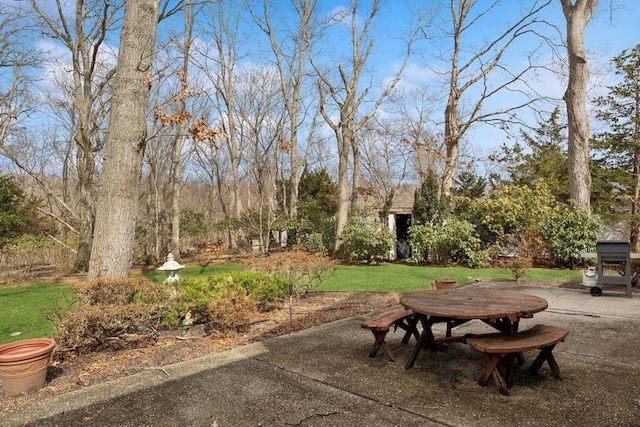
[182, 345]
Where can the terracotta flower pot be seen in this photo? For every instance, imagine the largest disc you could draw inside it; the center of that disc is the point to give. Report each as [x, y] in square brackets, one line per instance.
[23, 365]
[445, 283]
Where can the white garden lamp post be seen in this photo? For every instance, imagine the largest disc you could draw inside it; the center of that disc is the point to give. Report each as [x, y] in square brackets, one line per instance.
[171, 268]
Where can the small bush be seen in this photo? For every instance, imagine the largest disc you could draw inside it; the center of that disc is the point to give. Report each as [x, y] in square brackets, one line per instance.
[113, 313]
[29, 251]
[234, 310]
[363, 241]
[195, 293]
[518, 267]
[192, 294]
[312, 242]
[106, 326]
[302, 270]
[261, 287]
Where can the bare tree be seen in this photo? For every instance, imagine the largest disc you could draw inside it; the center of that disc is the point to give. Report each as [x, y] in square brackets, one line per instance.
[386, 163]
[478, 73]
[84, 36]
[173, 114]
[578, 13]
[15, 58]
[411, 124]
[261, 115]
[291, 50]
[347, 96]
[218, 62]
[176, 179]
[126, 137]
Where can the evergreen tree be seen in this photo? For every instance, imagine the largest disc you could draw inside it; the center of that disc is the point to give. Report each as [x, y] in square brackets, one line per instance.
[469, 187]
[428, 205]
[18, 214]
[317, 198]
[541, 155]
[618, 149]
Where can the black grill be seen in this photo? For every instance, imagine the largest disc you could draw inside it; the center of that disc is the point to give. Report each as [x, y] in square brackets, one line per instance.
[614, 255]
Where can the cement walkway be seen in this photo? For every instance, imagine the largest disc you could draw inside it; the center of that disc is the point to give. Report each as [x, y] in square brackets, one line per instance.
[322, 377]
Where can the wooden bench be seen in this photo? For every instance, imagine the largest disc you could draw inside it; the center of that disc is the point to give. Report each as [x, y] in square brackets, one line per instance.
[501, 351]
[380, 323]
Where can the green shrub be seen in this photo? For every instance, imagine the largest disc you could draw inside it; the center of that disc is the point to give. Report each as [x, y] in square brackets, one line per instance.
[196, 293]
[18, 212]
[567, 232]
[122, 291]
[312, 242]
[301, 269]
[28, 250]
[192, 294]
[364, 241]
[261, 287]
[192, 224]
[510, 210]
[314, 237]
[423, 239]
[452, 242]
[125, 311]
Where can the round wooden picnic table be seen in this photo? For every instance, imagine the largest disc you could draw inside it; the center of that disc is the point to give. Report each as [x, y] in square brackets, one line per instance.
[483, 304]
[500, 309]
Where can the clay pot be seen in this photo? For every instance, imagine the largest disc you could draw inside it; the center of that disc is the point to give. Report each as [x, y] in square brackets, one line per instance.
[23, 365]
[445, 283]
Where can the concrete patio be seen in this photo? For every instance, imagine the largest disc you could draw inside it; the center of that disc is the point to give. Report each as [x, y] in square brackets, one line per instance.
[323, 377]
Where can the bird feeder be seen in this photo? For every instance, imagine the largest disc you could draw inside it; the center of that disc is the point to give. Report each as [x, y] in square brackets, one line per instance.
[171, 269]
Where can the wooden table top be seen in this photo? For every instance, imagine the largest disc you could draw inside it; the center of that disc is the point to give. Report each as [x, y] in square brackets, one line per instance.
[483, 304]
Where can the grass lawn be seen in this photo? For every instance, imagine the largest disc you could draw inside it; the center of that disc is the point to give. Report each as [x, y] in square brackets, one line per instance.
[406, 278]
[21, 306]
[21, 309]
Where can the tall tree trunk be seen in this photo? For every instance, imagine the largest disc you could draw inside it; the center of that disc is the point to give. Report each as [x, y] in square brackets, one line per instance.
[355, 176]
[343, 185]
[451, 132]
[86, 213]
[112, 251]
[83, 34]
[176, 179]
[578, 16]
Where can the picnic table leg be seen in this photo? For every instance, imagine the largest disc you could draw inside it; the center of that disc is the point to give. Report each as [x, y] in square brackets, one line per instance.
[507, 327]
[546, 354]
[507, 363]
[494, 362]
[411, 329]
[380, 343]
[425, 335]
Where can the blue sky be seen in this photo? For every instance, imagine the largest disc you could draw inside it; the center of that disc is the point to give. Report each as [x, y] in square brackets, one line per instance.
[613, 28]
[610, 31]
